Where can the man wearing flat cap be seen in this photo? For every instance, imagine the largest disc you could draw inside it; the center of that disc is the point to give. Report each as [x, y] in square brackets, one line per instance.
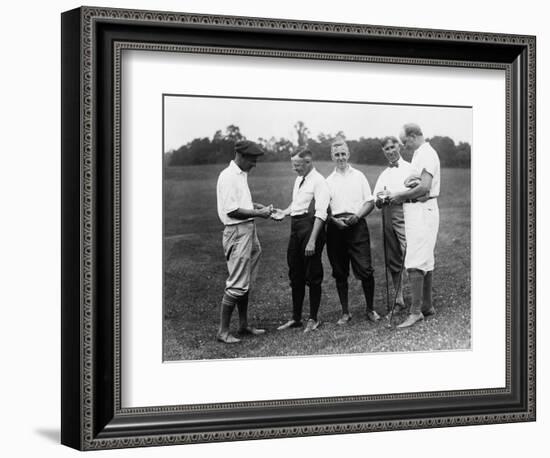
[241, 246]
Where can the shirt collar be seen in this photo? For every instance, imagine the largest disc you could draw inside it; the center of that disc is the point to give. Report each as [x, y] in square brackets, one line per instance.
[309, 174]
[235, 168]
[346, 172]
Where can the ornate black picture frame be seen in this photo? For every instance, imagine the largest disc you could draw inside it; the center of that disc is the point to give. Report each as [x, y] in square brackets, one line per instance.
[92, 41]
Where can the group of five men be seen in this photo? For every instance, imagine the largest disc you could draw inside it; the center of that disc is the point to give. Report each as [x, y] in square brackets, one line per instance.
[333, 211]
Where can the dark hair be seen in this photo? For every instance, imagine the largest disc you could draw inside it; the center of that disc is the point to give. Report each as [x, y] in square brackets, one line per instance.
[302, 153]
[412, 129]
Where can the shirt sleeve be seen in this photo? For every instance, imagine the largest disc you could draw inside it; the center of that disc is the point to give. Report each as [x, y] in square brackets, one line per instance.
[378, 185]
[365, 187]
[427, 161]
[322, 198]
[228, 195]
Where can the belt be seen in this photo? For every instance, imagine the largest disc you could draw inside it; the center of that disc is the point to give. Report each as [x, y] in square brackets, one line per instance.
[303, 215]
[237, 224]
[414, 201]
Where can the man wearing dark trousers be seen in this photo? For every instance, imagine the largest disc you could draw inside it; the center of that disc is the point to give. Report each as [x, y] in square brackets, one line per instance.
[240, 241]
[348, 239]
[308, 212]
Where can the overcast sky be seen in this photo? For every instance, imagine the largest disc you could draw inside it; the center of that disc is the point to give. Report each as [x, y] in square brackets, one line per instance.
[187, 118]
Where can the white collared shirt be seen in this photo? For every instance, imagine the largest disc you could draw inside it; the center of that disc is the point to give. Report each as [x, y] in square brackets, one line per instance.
[393, 178]
[314, 186]
[426, 158]
[349, 190]
[232, 193]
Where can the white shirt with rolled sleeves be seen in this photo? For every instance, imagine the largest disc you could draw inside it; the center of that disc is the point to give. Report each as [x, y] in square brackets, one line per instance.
[314, 186]
[232, 193]
[422, 218]
[349, 190]
[393, 178]
[426, 158]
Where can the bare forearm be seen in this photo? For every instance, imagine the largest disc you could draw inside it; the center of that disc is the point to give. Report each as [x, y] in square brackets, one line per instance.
[317, 226]
[365, 209]
[244, 213]
[412, 193]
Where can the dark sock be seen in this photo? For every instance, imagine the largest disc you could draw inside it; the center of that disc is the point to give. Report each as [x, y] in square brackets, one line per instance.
[427, 292]
[416, 280]
[242, 306]
[228, 304]
[298, 293]
[342, 288]
[368, 291]
[314, 301]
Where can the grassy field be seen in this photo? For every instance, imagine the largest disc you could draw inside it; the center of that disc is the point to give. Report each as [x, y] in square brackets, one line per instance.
[195, 273]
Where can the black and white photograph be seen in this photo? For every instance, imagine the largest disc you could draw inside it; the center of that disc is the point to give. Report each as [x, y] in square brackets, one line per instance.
[314, 227]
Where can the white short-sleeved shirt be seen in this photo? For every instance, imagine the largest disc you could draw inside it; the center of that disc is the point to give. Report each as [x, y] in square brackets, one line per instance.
[426, 158]
[349, 190]
[232, 192]
[393, 178]
[314, 186]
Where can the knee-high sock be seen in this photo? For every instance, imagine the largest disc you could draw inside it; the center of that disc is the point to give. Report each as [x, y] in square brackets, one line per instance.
[398, 282]
[314, 301]
[228, 304]
[342, 288]
[242, 306]
[427, 292]
[298, 293]
[368, 291]
[416, 280]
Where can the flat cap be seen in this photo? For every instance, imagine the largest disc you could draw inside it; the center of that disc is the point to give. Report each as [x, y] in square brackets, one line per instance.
[248, 148]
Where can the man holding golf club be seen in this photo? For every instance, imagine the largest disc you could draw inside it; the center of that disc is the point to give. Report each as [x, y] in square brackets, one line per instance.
[240, 242]
[421, 221]
[392, 179]
[348, 239]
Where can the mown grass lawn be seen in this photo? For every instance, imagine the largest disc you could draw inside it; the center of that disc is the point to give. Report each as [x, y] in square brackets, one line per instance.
[195, 271]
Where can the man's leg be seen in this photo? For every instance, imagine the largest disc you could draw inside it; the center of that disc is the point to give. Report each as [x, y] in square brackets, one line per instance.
[298, 294]
[226, 310]
[396, 247]
[416, 281]
[242, 304]
[368, 291]
[296, 276]
[314, 279]
[237, 244]
[339, 261]
[398, 280]
[314, 301]
[360, 256]
[427, 306]
[342, 289]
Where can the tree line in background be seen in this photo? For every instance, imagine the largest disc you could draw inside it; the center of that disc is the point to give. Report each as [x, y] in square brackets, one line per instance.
[219, 149]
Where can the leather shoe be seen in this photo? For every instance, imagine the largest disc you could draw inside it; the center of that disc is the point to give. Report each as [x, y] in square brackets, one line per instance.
[373, 316]
[227, 338]
[251, 331]
[312, 325]
[411, 320]
[429, 312]
[290, 324]
[346, 317]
